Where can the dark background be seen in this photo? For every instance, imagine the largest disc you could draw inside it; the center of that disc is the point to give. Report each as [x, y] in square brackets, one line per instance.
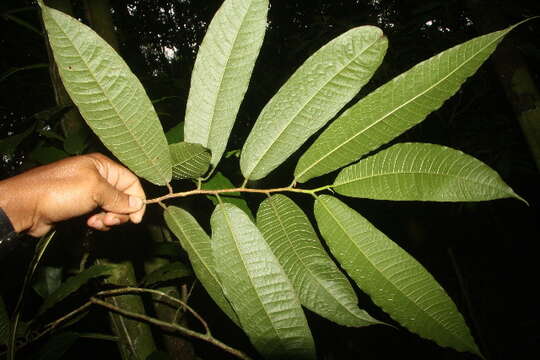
[484, 254]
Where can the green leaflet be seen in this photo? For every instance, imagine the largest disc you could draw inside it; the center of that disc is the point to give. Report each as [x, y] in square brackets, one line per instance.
[189, 161]
[74, 283]
[170, 271]
[395, 107]
[425, 172]
[258, 288]
[5, 324]
[222, 72]
[313, 95]
[320, 285]
[199, 249]
[109, 96]
[396, 282]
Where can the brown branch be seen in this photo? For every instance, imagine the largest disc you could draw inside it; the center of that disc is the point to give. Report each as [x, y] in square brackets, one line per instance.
[171, 326]
[240, 189]
[131, 290]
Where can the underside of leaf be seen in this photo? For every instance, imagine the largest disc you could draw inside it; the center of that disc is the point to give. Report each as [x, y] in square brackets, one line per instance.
[109, 96]
[424, 172]
[394, 280]
[320, 285]
[313, 95]
[222, 72]
[199, 249]
[258, 288]
[395, 107]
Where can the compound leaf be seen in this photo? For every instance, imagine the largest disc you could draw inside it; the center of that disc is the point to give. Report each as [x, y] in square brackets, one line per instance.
[314, 94]
[425, 172]
[189, 161]
[222, 72]
[258, 288]
[395, 107]
[396, 282]
[320, 285]
[109, 96]
[199, 249]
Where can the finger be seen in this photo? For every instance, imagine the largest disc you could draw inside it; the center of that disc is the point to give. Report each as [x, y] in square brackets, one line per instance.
[124, 180]
[96, 222]
[112, 219]
[113, 200]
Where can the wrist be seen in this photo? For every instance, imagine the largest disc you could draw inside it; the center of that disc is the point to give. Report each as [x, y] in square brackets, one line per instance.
[16, 205]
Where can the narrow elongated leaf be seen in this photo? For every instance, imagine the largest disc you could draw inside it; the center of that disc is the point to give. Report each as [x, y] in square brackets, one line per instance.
[425, 172]
[320, 285]
[220, 181]
[74, 283]
[189, 161]
[109, 96]
[395, 107]
[5, 324]
[222, 71]
[258, 288]
[199, 249]
[170, 271]
[314, 94]
[395, 281]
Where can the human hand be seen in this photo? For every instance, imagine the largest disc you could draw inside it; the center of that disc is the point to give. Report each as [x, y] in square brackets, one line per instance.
[72, 187]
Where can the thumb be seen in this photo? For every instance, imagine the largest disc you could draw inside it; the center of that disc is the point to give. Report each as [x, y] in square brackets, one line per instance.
[113, 200]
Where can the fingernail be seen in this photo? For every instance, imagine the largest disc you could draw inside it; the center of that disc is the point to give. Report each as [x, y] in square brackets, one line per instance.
[115, 221]
[135, 202]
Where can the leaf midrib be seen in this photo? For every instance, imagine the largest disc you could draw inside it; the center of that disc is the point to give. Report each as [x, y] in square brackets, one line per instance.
[417, 173]
[382, 118]
[302, 108]
[116, 111]
[235, 241]
[303, 263]
[222, 76]
[351, 240]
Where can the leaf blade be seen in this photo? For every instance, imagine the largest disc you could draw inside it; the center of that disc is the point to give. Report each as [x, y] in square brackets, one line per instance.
[395, 107]
[189, 161]
[257, 287]
[423, 172]
[222, 72]
[321, 287]
[313, 95]
[391, 276]
[109, 96]
[198, 247]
